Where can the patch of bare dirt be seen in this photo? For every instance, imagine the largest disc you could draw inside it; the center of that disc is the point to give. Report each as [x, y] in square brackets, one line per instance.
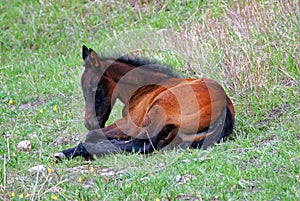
[244, 184]
[86, 169]
[285, 81]
[275, 113]
[187, 197]
[267, 141]
[36, 103]
[65, 138]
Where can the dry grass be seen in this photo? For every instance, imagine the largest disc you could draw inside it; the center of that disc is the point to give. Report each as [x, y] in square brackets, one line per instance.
[243, 45]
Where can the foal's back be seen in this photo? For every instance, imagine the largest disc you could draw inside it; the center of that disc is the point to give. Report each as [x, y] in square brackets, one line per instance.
[188, 104]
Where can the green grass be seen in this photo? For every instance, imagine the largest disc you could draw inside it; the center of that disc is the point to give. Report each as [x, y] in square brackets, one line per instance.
[250, 47]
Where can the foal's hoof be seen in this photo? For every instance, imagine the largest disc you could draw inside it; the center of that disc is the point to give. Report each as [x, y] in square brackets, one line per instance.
[59, 156]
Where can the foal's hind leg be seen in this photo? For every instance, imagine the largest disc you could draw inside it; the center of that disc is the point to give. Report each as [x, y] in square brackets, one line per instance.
[207, 137]
[217, 131]
[146, 140]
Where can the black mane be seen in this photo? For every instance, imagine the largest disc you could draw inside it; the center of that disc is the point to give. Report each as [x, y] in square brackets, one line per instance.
[139, 62]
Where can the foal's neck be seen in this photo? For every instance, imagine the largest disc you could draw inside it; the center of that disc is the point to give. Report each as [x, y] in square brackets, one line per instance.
[116, 69]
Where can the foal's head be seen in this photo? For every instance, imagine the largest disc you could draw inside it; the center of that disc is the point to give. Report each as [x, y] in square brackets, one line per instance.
[89, 82]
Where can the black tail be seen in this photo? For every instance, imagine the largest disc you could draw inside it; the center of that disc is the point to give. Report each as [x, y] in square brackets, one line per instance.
[226, 131]
[228, 125]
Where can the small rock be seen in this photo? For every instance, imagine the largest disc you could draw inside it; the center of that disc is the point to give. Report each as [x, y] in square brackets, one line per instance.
[185, 178]
[6, 135]
[178, 178]
[59, 140]
[186, 160]
[32, 136]
[107, 172]
[112, 173]
[24, 145]
[88, 184]
[76, 137]
[38, 168]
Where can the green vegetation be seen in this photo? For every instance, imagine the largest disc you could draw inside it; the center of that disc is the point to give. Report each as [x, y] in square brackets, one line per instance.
[251, 47]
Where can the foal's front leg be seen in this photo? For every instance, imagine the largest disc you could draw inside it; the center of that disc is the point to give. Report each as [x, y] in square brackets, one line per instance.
[79, 150]
[88, 150]
[120, 130]
[110, 132]
[98, 142]
[71, 153]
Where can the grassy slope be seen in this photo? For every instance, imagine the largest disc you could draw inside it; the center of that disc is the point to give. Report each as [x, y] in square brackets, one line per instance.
[251, 48]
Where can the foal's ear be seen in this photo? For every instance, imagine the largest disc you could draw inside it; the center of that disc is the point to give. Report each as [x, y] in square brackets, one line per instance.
[85, 52]
[94, 59]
